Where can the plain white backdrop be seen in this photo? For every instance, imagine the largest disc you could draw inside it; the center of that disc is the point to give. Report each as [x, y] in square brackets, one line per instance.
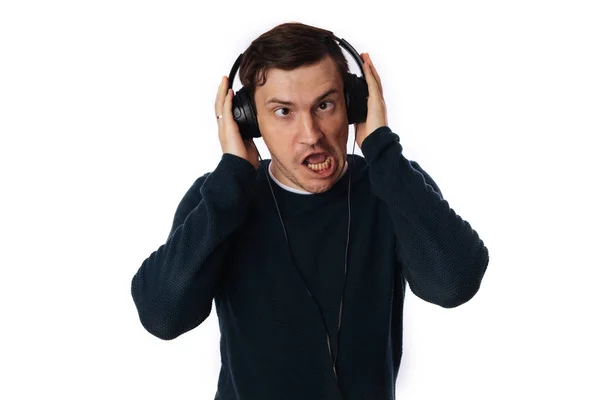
[107, 118]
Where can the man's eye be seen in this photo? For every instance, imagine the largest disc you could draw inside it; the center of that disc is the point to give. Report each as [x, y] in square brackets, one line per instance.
[320, 108]
[279, 115]
[331, 102]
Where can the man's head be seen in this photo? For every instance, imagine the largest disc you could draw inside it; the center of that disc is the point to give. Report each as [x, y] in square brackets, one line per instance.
[295, 75]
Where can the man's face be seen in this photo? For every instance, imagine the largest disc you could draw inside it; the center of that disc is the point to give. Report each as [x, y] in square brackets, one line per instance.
[307, 125]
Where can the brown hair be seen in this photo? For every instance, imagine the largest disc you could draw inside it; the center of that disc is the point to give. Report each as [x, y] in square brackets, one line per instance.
[288, 46]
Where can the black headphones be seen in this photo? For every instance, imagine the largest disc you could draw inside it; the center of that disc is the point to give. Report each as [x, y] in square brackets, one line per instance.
[355, 94]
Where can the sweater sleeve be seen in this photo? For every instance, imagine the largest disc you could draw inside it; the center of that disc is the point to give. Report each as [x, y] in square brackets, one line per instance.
[440, 255]
[174, 287]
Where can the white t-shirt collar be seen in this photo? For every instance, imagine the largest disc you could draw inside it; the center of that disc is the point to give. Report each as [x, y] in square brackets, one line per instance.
[294, 190]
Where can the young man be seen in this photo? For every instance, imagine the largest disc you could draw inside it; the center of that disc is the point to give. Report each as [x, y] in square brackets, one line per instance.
[286, 331]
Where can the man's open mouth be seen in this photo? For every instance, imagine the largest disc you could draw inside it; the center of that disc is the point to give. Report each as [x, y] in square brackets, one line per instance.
[319, 166]
[319, 163]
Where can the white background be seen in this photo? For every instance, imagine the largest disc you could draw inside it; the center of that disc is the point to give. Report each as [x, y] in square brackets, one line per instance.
[107, 118]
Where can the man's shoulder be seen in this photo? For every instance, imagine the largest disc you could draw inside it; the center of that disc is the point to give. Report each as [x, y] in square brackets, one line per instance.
[199, 181]
[359, 166]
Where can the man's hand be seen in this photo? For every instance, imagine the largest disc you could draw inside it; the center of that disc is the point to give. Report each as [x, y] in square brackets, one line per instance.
[229, 133]
[376, 113]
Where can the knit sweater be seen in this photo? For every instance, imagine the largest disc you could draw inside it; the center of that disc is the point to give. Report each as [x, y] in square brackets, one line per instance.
[227, 244]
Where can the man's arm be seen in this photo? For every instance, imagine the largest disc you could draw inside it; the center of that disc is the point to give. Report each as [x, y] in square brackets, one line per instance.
[174, 287]
[440, 255]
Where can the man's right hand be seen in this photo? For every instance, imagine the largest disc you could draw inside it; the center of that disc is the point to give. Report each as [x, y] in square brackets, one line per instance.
[229, 132]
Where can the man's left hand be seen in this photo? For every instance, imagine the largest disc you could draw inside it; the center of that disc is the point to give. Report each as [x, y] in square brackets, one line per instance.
[376, 113]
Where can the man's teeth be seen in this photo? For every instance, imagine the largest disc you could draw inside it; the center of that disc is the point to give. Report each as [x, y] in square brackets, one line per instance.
[318, 167]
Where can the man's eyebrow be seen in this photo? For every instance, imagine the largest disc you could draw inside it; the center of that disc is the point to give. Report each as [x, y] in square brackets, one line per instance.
[290, 103]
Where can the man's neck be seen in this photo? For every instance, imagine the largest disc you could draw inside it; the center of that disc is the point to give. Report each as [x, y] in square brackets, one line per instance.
[294, 190]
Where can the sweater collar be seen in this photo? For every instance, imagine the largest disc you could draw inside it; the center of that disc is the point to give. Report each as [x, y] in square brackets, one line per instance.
[294, 190]
[291, 202]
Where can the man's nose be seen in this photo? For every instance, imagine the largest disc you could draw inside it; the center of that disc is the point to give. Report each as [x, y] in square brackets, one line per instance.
[311, 132]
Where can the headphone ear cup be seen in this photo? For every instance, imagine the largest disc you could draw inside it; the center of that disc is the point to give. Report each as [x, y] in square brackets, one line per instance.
[356, 91]
[244, 114]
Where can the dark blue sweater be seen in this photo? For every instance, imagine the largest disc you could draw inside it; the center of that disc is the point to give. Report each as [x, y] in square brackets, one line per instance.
[227, 244]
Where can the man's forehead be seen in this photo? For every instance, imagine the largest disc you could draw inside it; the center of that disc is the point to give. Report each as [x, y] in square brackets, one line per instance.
[325, 69]
[283, 86]
[285, 98]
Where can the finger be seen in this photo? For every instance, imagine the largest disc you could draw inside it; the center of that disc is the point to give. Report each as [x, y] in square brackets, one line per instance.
[370, 78]
[225, 111]
[366, 71]
[375, 74]
[227, 114]
[221, 93]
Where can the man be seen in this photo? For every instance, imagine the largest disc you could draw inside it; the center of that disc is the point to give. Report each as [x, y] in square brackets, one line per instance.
[277, 291]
